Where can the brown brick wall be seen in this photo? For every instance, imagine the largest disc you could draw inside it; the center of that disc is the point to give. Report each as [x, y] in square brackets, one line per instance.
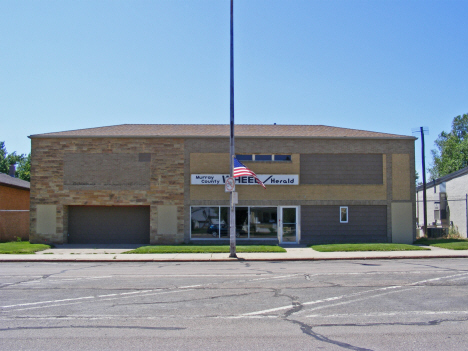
[341, 169]
[321, 224]
[13, 198]
[13, 225]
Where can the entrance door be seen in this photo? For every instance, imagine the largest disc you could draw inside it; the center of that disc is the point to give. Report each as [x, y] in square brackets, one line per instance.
[288, 225]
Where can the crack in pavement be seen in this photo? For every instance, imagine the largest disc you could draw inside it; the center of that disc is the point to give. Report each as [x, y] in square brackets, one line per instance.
[308, 329]
[376, 324]
[186, 300]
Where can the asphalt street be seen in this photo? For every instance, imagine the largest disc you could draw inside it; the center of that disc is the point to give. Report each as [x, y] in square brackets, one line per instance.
[316, 305]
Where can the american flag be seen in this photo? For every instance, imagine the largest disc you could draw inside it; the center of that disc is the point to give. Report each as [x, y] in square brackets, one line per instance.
[240, 170]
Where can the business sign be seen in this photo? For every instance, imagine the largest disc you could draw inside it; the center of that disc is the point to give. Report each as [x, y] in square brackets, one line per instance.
[267, 179]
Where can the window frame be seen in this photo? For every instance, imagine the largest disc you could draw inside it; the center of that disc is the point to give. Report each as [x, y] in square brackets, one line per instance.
[347, 214]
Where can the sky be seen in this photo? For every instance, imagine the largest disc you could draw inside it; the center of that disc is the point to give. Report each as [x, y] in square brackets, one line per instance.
[388, 66]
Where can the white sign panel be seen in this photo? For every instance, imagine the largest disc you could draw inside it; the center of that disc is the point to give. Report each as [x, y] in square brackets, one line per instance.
[230, 185]
[267, 179]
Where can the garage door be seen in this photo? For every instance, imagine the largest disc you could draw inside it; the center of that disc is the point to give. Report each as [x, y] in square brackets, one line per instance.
[108, 224]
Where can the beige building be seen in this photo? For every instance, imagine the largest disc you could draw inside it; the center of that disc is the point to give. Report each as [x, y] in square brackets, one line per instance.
[152, 184]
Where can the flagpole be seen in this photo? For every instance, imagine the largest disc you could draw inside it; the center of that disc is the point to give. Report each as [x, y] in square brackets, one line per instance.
[232, 216]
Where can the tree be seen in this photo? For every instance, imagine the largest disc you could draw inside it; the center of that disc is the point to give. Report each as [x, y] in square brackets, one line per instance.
[23, 170]
[24, 163]
[452, 149]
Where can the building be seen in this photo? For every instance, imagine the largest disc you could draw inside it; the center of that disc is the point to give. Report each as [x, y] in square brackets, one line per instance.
[14, 208]
[447, 203]
[152, 184]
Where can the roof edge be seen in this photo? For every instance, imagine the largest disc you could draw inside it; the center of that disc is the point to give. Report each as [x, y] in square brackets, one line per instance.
[445, 178]
[46, 136]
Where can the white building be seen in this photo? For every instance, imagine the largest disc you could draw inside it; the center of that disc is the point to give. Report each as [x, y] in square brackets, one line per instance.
[447, 202]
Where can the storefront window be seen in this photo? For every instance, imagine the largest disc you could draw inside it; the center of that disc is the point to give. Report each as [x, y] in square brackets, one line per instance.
[213, 222]
[263, 222]
[205, 222]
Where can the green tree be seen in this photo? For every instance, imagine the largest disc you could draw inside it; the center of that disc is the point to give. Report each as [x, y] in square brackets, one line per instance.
[24, 163]
[23, 171]
[452, 149]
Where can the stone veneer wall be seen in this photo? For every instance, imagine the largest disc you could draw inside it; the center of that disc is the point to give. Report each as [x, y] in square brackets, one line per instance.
[166, 186]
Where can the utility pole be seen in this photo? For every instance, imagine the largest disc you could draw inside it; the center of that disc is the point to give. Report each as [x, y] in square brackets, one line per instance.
[424, 181]
[232, 216]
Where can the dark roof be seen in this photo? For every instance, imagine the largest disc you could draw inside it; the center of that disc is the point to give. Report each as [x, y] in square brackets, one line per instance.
[7, 180]
[220, 131]
[446, 178]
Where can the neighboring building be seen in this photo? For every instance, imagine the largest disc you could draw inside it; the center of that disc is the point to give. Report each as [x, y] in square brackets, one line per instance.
[165, 184]
[447, 202]
[14, 208]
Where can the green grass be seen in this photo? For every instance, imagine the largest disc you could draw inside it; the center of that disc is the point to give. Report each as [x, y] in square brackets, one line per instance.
[203, 249]
[452, 244]
[366, 247]
[21, 247]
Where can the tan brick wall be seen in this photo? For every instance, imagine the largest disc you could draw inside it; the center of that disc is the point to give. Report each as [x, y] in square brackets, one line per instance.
[401, 177]
[166, 182]
[218, 163]
[276, 192]
[360, 195]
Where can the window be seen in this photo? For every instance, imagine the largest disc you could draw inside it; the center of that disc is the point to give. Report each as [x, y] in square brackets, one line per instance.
[282, 157]
[244, 157]
[265, 157]
[262, 157]
[344, 214]
[263, 222]
[251, 222]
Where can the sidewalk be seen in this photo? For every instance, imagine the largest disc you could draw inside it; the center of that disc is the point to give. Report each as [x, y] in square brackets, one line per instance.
[69, 253]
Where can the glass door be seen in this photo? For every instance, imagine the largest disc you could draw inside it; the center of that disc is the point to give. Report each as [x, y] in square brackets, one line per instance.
[288, 225]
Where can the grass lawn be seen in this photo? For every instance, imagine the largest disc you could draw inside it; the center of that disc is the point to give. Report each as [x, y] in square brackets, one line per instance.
[203, 249]
[452, 244]
[21, 247]
[366, 247]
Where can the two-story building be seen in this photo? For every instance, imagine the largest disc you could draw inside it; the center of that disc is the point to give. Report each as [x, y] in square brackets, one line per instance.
[151, 184]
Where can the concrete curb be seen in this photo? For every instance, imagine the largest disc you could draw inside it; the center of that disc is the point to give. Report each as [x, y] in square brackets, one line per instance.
[240, 259]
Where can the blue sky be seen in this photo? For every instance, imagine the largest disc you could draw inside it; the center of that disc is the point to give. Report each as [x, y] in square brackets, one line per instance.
[386, 66]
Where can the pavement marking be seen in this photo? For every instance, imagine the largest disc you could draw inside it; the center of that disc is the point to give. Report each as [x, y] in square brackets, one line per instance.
[387, 314]
[279, 277]
[142, 293]
[51, 301]
[100, 297]
[139, 293]
[357, 300]
[318, 301]
[37, 307]
[335, 298]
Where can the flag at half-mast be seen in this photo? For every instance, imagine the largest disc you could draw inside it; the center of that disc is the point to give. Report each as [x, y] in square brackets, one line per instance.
[240, 170]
